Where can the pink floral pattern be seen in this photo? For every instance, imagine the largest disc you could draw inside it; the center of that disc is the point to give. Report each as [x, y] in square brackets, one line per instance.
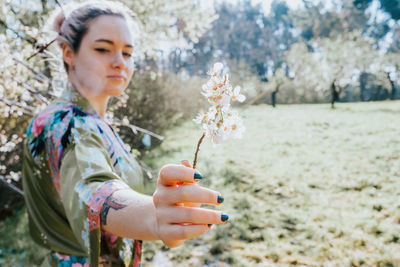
[40, 121]
[71, 261]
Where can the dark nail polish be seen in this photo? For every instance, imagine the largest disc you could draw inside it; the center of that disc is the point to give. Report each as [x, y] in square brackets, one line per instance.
[224, 217]
[220, 199]
[209, 225]
[197, 176]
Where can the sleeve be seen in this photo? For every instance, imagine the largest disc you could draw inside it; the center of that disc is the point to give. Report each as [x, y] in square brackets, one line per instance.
[84, 177]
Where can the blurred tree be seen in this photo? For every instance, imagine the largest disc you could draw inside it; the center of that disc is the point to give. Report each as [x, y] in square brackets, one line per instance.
[395, 45]
[304, 69]
[315, 21]
[347, 16]
[277, 80]
[391, 67]
[242, 32]
[392, 7]
[333, 63]
[274, 84]
[386, 30]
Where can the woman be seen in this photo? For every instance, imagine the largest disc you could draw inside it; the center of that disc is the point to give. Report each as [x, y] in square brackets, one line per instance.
[82, 187]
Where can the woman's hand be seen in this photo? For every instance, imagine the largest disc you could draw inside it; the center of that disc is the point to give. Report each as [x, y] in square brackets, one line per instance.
[174, 199]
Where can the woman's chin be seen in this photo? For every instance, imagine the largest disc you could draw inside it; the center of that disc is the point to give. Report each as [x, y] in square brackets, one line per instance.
[115, 91]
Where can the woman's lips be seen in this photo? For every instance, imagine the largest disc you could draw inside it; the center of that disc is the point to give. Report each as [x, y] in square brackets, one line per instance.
[116, 77]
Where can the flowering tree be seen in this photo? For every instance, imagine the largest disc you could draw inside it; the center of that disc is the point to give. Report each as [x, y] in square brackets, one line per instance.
[391, 68]
[333, 63]
[27, 86]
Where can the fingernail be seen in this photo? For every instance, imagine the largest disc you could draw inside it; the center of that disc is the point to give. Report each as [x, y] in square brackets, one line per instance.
[209, 226]
[184, 161]
[224, 217]
[220, 199]
[197, 176]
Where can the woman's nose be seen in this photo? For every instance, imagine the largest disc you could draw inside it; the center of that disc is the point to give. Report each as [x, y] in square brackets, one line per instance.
[118, 61]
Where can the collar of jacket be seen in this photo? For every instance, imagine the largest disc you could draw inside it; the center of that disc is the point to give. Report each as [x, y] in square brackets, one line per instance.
[71, 95]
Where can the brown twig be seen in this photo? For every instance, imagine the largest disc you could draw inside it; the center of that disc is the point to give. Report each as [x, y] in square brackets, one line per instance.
[197, 150]
[58, 3]
[42, 48]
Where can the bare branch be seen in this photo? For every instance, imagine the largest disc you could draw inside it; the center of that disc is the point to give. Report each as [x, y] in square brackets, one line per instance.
[30, 40]
[146, 168]
[10, 185]
[135, 128]
[43, 77]
[36, 92]
[15, 103]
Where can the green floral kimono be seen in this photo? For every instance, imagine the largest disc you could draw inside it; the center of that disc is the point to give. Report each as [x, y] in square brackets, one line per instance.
[73, 162]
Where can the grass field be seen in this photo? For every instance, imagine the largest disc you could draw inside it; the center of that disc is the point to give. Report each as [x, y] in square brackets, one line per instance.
[307, 186]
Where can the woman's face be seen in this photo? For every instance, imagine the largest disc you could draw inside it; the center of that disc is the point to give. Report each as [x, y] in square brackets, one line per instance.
[104, 64]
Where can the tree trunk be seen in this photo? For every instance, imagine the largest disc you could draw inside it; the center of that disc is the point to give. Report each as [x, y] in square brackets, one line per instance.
[363, 86]
[334, 95]
[393, 89]
[274, 93]
[273, 98]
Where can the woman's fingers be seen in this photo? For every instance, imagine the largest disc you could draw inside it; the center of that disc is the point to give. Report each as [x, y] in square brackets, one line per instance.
[177, 200]
[173, 243]
[179, 232]
[191, 193]
[190, 204]
[186, 163]
[190, 215]
[172, 174]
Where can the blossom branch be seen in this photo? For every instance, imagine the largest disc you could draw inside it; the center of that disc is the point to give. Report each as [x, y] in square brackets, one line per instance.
[220, 122]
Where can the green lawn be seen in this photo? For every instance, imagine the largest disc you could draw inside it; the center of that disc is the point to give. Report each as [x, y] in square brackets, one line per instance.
[306, 185]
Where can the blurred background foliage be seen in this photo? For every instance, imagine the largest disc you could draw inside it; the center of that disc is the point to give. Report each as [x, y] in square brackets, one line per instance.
[344, 51]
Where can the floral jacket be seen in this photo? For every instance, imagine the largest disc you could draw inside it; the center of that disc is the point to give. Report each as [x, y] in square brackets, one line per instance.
[73, 161]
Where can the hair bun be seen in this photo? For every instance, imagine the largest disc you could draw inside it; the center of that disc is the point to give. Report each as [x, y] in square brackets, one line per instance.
[58, 22]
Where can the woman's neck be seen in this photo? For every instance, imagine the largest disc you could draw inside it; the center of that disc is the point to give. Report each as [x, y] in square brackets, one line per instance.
[99, 102]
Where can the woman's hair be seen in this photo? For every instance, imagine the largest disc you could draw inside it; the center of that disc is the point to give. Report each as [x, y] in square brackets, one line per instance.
[72, 21]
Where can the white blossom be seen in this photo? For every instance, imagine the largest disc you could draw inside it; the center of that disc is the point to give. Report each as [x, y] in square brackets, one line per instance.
[237, 96]
[220, 122]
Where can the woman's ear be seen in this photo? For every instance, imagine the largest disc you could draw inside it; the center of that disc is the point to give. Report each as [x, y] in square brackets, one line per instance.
[68, 55]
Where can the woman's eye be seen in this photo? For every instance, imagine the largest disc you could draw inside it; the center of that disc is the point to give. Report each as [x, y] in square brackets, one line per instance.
[101, 50]
[127, 55]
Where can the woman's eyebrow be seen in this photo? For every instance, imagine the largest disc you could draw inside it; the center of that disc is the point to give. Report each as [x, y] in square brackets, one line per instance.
[111, 42]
